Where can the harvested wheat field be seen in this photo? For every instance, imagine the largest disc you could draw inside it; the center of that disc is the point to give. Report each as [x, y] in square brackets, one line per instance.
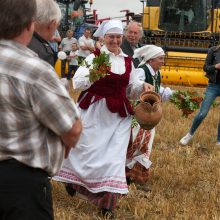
[184, 181]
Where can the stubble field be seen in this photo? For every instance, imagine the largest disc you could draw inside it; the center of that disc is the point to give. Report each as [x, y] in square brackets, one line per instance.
[184, 181]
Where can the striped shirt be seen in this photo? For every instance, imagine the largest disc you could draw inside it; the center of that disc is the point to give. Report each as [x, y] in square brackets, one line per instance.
[35, 109]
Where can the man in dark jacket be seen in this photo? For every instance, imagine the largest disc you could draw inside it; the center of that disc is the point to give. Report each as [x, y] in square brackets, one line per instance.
[47, 20]
[132, 37]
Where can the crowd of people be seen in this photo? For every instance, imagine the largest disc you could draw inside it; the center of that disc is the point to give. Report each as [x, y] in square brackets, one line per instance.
[88, 43]
[45, 134]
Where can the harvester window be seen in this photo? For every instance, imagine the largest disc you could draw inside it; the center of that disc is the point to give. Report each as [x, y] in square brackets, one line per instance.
[153, 2]
[216, 3]
[183, 15]
[185, 12]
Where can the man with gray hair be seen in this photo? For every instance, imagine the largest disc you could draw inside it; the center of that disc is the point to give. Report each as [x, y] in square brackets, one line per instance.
[46, 22]
[132, 36]
[39, 122]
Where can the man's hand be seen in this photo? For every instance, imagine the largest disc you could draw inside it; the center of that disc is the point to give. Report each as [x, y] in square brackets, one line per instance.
[148, 87]
[71, 138]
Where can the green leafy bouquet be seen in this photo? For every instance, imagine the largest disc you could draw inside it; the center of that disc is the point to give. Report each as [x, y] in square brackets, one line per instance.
[186, 101]
[100, 67]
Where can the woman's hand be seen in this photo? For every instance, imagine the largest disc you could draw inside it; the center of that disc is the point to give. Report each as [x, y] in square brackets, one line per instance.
[148, 87]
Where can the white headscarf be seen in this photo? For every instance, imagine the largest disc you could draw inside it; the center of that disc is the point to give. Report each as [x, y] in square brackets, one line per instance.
[148, 52]
[109, 27]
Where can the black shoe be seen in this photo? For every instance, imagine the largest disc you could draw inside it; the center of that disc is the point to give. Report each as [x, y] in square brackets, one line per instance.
[108, 214]
[69, 189]
[129, 181]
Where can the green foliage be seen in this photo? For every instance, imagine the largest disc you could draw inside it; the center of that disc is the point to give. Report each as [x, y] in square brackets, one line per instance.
[103, 58]
[134, 122]
[99, 68]
[186, 101]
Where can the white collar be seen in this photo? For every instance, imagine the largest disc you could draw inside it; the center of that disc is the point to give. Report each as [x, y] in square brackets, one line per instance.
[153, 73]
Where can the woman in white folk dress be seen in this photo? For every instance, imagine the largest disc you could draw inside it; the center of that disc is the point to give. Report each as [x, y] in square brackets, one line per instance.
[96, 166]
[140, 146]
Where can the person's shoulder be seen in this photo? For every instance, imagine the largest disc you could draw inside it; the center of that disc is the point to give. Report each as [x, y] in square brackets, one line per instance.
[124, 41]
[73, 39]
[143, 66]
[122, 53]
[36, 63]
[90, 57]
[34, 69]
[217, 48]
[125, 46]
[80, 39]
[43, 73]
[65, 39]
[213, 50]
[26, 62]
[35, 44]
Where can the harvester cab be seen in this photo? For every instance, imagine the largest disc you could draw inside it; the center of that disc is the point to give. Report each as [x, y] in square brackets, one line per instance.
[185, 29]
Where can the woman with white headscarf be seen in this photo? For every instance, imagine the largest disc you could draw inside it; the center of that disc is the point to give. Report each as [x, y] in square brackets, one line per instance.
[96, 166]
[138, 163]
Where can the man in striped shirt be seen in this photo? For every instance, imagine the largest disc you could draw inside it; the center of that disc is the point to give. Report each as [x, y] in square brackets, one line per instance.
[39, 122]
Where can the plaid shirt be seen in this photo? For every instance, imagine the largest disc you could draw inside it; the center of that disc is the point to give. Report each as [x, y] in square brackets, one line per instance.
[35, 109]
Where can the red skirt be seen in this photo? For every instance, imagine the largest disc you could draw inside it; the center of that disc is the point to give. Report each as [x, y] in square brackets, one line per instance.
[138, 174]
[104, 200]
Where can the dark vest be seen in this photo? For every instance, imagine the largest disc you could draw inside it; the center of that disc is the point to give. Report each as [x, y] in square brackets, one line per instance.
[155, 81]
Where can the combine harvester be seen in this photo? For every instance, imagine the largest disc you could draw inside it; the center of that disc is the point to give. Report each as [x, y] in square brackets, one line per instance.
[185, 29]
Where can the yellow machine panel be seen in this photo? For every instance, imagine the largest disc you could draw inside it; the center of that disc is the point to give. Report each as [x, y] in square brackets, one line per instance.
[184, 69]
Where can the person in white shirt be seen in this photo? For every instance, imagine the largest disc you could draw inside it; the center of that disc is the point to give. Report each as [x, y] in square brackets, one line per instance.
[73, 61]
[66, 46]
[139, 150]
[86, 44]
[96, 168]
